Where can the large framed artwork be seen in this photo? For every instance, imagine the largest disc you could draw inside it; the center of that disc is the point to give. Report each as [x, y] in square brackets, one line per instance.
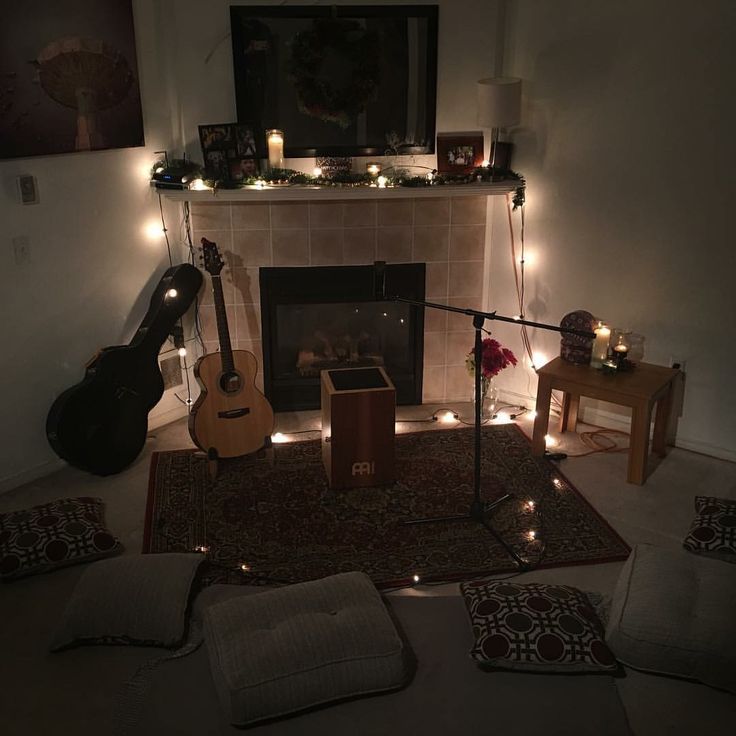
[346, 80]
[68, 77]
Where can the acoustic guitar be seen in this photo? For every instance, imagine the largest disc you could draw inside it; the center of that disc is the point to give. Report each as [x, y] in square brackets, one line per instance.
[231, 417]
[100, 424]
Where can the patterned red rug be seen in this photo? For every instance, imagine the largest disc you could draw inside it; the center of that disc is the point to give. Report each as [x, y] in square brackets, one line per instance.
[284, 524]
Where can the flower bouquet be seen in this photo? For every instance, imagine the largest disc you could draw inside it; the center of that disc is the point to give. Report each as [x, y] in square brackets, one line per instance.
[493, 359]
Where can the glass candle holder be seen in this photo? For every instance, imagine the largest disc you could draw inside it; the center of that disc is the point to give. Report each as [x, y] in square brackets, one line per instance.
[636, 347]
[621, 350]
[275, 140]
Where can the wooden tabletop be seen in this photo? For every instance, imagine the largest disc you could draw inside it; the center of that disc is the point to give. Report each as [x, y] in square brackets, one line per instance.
[644, 381]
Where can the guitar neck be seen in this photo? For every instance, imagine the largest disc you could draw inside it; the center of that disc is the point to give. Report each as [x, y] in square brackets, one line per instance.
[223, 332]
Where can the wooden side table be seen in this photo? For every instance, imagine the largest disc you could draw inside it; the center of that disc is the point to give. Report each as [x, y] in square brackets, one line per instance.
[640, 389]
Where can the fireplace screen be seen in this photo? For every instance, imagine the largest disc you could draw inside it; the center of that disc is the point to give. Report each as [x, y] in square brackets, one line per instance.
[316, 337]
[326, 317]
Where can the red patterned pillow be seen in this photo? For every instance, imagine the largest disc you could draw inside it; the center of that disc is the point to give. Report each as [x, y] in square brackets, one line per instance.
[535, 627]
[713, 531]
[53, 535]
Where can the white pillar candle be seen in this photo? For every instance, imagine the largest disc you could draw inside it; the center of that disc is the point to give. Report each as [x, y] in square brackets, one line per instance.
[275, 140]
[600, 346]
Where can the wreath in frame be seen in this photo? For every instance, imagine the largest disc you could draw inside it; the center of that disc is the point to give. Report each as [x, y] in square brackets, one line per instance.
[357, 48]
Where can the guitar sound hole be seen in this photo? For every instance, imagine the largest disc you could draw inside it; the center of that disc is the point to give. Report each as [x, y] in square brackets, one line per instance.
[230, 382]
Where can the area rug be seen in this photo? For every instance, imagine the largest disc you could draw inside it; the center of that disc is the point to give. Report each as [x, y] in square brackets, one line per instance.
[278, 521]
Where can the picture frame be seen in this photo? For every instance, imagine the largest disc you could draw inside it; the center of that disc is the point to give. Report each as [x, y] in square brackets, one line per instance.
[459, 153]
[229, 151]
[46, 48]
[339, 80]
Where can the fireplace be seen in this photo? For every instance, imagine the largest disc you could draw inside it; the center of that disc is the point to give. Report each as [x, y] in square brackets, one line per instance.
[324, 317]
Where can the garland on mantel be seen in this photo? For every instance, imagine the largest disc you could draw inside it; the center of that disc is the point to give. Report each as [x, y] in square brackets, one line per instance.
[284, 177]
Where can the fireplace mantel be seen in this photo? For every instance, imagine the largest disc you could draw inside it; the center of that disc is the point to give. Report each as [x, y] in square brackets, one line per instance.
[304, 192]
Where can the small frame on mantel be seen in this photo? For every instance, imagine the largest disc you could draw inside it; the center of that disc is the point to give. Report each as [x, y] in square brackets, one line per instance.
[229, 151]
[459, 153]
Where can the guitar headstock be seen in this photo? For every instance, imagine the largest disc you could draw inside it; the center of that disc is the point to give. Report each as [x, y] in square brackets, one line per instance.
[213, 262]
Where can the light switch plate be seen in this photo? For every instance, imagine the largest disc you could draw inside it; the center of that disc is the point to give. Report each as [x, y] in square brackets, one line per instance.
[27, 189]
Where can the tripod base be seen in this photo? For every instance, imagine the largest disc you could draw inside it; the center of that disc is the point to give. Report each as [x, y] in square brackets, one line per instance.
[477, 513]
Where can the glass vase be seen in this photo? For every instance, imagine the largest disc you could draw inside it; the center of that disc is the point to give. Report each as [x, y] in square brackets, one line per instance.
[489, 398]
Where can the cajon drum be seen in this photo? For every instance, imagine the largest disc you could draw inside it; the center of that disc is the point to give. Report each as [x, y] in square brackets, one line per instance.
[358, 417]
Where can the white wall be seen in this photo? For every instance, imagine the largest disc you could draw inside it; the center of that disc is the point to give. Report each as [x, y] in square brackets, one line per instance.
[90, 259]
[627, 143]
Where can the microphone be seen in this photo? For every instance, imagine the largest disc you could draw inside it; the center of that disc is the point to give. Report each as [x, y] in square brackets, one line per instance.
[379, 281]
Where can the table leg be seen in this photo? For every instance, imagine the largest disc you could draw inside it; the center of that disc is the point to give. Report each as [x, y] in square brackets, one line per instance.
[661, 420]
[641, 417]
[569, 416]
[541, 422]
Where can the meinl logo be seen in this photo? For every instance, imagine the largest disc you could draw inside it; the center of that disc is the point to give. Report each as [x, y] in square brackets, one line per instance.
[364, 468]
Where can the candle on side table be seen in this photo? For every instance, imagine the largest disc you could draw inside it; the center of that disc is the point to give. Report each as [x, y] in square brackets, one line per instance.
[620, 351]
[275, 139]
[600, 346]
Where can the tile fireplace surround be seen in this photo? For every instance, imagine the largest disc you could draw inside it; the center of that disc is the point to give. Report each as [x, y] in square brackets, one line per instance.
[446, 233]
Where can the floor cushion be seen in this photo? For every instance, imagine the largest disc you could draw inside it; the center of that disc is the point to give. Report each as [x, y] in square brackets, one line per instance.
[535, 627]
[136, 599]
[448, 694]
[713, 531]
[46, 537]
[673, 614]
[299, 646]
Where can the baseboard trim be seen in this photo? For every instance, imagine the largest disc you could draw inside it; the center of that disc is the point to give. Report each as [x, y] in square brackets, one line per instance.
[31, 474]
[609, 420]
[166, 417]
[48, 467]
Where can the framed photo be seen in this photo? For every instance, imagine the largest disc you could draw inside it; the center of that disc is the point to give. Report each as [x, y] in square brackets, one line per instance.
[459, 153]
[229, 151]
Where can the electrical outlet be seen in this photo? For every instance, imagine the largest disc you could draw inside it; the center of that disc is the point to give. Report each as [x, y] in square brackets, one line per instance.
[21, 250]
[680, 363]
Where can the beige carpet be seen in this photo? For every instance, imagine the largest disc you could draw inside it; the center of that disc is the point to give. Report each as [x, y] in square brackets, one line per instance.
[72, 693]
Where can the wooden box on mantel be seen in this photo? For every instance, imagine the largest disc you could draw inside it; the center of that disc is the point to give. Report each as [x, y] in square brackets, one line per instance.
[358, 418]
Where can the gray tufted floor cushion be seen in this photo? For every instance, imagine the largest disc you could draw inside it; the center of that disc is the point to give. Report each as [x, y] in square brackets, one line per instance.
[285, 650]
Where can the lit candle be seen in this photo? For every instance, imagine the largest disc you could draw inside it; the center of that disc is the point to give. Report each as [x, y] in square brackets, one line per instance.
[275, 140]
[317, 171]
[373, 169]
[382, 182]
[621, 350]
[600, 346]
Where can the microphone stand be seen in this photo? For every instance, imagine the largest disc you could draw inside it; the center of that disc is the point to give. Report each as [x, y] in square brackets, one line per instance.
[478, 508]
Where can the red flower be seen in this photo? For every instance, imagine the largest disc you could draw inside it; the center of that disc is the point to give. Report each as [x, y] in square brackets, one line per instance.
[494, 358]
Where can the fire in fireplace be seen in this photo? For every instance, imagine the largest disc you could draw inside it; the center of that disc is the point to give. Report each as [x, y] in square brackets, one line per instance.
[324, 317]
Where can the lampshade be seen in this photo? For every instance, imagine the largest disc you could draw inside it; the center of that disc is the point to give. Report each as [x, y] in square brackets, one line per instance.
[499, 102]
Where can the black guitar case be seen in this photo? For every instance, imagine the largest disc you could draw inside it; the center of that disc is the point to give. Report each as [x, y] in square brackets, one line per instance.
[100, 424]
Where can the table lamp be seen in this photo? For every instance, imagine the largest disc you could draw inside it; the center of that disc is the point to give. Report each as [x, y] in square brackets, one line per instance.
[499, 106]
